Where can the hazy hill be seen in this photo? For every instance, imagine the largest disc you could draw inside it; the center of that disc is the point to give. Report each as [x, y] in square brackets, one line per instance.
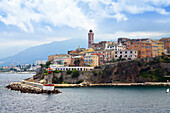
[42, 52]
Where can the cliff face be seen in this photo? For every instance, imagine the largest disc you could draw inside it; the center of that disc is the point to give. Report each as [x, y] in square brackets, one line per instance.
[142, 70]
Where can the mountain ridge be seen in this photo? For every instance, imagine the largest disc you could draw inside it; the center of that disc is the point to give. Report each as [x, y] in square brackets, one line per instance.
[41, 52]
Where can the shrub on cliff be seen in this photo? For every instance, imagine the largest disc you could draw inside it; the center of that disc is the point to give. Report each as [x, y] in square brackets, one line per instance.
[68, 72]
[45, 71]
[154, 74]
[57, 71]
[58, 80]
[94, 73]
[75, 73]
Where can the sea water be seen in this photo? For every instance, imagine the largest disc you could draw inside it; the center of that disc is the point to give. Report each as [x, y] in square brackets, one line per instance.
[84, 99]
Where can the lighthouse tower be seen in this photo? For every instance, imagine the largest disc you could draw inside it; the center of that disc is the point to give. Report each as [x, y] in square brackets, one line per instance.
[90, 38]
[49, 86]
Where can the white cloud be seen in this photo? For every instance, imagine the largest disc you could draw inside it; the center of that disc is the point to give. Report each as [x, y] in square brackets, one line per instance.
[121, 8]
[137, 34]
[48, 28]
[23, 13]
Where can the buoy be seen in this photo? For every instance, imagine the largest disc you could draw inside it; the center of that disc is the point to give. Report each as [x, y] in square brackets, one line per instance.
[167, 91]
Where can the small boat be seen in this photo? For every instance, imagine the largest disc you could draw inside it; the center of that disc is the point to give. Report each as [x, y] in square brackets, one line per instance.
[167, 91]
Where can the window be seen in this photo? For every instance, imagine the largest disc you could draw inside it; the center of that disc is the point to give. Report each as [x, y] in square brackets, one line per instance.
[115, 55]
[125, 55]
[130, 51]
[126, 52]
[116, 52]
[120, 52]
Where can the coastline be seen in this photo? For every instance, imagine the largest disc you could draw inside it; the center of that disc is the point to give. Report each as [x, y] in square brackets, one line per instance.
[34, 87]
[113, 84]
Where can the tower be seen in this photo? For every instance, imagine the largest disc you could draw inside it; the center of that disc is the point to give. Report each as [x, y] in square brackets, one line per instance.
[90, 38]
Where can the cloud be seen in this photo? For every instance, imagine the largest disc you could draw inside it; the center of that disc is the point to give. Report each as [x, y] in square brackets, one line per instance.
[119, 9]
[25, 14]
[48, 28]
[137, 34]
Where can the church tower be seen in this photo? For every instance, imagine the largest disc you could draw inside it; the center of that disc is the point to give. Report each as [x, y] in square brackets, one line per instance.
[90, 38]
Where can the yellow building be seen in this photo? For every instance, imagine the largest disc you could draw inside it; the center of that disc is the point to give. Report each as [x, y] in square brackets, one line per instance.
[160, 48]
[91, 60]
[155, 48]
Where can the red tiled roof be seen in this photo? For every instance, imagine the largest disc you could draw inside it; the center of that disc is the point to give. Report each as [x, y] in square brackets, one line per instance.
[96, 54]
[74, 52]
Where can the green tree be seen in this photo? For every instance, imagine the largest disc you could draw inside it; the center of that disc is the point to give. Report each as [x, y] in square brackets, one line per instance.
[75, 73]
[48, 64]
[77, 62]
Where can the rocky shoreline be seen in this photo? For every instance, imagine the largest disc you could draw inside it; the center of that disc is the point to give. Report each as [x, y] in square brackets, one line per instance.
[23, 88]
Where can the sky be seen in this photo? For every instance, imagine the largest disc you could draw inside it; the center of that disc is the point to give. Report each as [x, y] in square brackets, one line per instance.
[27, 23]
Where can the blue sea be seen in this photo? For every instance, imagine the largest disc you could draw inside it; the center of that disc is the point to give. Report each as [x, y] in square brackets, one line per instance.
[84, 100]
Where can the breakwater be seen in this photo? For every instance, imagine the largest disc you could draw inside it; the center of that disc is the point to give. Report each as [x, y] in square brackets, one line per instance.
[114, 84]
[30, 87]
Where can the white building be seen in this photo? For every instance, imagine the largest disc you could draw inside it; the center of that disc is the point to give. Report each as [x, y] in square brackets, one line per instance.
[126, 54]
[114, 46]
[39, 62]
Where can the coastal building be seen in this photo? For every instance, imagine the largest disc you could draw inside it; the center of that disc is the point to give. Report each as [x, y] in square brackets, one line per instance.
[73, 53]
[144, 48]
[62, 61]
[154, 48]
[160, 48]
[51, 57]
[114, 46]
[100, 56]
[126, 54]
[166, 42]
[89, 53]
[74, 68]
[98, 46]
[77, 61]
[83, 53]
[39, 62]
[167, 46]
[165, 39]
[90, 38]
[122, 40]
[91, 60]
[108, 55]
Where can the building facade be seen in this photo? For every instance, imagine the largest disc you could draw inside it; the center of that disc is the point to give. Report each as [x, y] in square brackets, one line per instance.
[160, 48]
[144, 49]
[115, 46]
[155, 48]
[126, 54]
[62, 61]
[91, 60]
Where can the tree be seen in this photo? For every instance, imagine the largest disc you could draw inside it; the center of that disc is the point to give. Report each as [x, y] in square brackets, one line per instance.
[77, 62]
[75, 73]
[48, 64]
